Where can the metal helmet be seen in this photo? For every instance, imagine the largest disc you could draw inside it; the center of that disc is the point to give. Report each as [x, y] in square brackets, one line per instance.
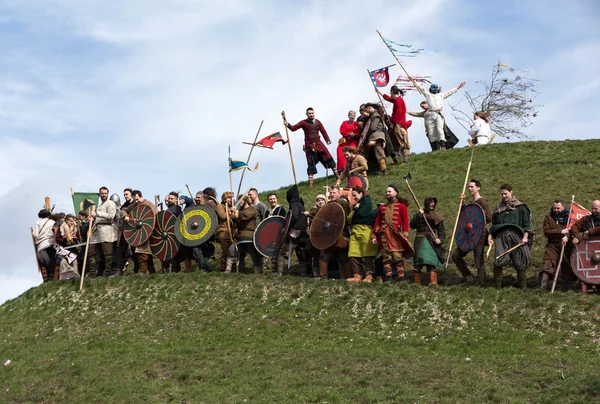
[115, 198]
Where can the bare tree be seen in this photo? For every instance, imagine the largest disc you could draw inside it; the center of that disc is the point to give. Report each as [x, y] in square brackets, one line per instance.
[508, 98]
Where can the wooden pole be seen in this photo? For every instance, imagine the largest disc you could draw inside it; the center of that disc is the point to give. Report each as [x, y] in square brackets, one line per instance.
[460, 206]
[562, 249]
[419, 206]
[521, 244]
[249, 155]
[190, 192]
[399, 63]
[87, 250]
[287, 134]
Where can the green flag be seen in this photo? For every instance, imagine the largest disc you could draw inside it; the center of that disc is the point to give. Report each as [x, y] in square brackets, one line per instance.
[83, 200]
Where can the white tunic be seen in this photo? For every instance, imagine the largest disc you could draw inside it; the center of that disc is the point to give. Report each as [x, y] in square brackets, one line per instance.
[105, 217]
[481, 129]
[43, 234]
[436, 101]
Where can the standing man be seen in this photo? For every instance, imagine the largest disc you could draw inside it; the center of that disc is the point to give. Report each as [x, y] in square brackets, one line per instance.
[339, 250]
[275, 208]
[314, 148]
[261, 208]
[43, 237]
[511, 225]
[199, 199]
[429, 249]
[587, 226]
[226, 213]
[555, 227]
[399, 129]
[374, 136]
[355, 164]
[458, 256]
[184, 253]
[143, 253]
[104, 234]
[434, 118]
[390, 226]
[246, 225]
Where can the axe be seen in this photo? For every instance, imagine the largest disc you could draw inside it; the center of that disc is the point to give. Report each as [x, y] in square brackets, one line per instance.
[409, 177]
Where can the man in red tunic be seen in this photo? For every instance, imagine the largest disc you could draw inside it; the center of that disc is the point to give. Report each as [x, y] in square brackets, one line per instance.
[390, 225]
[399, 128]
[350, 131]
[314, 148]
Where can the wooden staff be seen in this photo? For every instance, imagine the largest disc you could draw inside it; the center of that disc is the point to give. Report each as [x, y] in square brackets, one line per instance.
[190, 192]
[87, 249]
[460, 206]
[562, 249]
[487, 254]
[287, 134]
[399, 63]
[521, 244]
[419, 205]
[249, 155]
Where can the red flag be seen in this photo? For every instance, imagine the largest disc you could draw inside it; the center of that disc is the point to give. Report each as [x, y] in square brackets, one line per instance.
[576, 213]
[269, 141]
[380, 77]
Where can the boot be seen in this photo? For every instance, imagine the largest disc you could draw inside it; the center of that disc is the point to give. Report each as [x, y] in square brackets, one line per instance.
[355, 278]
[498, 277]
[395, 158]
[316, 274]
[379, 279]
[44, 274]
[383, 167]
[228, 265]
[323, 269]
[433, 278]
[388, 279]
[584, 288]
[346, 271]
[522, 279]
[311, 180]
[467, 279]
[368, 278]
[118, 272]
[399, 273]
[544, 281]
[280, 265]
[57, 272]
[257, 270]
[188, 265]
[405, 154]
[418, 278]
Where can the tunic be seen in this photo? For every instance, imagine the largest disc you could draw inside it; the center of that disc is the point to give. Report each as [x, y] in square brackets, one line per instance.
[426, 251]
[312, 140]
[553, 226]
[246, 223]
[391, 220]
[105, 216]
[362, 220]
[357, 166]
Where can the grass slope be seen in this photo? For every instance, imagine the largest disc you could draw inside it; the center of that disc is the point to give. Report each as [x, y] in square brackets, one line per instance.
[233, 338]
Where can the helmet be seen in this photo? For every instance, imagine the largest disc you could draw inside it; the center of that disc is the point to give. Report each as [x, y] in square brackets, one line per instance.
[115, 198]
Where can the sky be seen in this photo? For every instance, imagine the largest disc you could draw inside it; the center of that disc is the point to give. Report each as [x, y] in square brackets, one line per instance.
[149, 94]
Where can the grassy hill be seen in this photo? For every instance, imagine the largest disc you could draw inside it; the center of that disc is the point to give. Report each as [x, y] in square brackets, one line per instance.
[238, 338]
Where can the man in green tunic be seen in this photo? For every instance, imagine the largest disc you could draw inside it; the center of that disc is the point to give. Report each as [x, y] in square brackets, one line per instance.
[511, 225]
[362, 250]
[429, 249]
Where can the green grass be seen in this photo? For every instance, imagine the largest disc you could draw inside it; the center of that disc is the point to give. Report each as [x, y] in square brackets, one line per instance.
[240, 338]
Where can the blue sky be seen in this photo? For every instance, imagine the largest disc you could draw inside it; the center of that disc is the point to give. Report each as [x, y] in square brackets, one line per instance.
[149, 94]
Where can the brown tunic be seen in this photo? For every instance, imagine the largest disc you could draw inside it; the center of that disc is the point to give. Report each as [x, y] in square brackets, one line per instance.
[552, 231]
[246, 223]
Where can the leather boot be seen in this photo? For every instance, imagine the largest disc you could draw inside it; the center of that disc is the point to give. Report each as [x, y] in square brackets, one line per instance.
[368, 278]
[355, 278]
[395, 157]
[522, 279]
[323, 269]
[544, 281]
[311, 180]
[257, 270]
[57, 272]
[433, 278]
[405, 154]
[280, 265]
[418, 278]
[316, 274]
[399, 272]
[228, 265]
[498, 277]
[383, 167]
[346, 271]
[584, 288]
[44, 274]
[188, 265]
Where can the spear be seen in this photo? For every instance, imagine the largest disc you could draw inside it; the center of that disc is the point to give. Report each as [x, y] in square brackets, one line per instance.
[249, 154]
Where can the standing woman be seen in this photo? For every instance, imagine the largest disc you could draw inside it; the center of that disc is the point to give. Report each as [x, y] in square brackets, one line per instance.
[350, 131]
[361, 251]
[480, 130]
[429, 249]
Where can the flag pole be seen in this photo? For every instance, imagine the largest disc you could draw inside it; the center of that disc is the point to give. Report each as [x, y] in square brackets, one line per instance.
[87, 249]
[249, 154]
[399, 63]
[287, 134]
[562, 249]
[460, 206]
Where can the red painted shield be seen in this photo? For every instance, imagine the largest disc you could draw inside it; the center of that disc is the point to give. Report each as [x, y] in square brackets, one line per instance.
[163, 242]
[269, 235]
[583, 261]
[140, 225]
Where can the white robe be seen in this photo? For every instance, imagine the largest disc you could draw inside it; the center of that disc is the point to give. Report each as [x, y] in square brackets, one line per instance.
[105, 217]
[481, 129]
[434, 119]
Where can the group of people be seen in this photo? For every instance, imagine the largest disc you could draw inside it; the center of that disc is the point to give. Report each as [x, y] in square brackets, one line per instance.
[375, 135]
[374, 243]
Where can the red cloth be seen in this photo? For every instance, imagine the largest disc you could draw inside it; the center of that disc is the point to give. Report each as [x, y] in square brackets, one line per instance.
[399, 112]
[312, 140]
[351, 133]
[399, 224]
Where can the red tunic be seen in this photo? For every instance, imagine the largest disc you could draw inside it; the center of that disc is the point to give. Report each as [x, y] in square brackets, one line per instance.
[312, 140]
[351, 133]
[399, 224]
[399, 112]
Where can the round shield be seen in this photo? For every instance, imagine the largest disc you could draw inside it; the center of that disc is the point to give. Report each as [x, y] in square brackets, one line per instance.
[267, 236]
[327, 226]
[470, 228]
[140, 225]
[163, 242]
[196, 225]
[584, 260]
[357, 179]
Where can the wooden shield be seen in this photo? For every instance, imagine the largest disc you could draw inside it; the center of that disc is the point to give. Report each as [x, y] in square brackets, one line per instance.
[327, 226]
[357, 179]
[140, 225]
[163, 242]
[470, 228]
[269, 235]
[584, 263]
[196, 225]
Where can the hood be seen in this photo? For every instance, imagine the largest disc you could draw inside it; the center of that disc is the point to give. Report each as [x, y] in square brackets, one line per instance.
[292, 194]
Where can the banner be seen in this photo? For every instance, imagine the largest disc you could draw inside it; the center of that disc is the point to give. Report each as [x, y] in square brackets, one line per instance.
[576, 213]
[83, 200]
[269, 141]
[380, 77]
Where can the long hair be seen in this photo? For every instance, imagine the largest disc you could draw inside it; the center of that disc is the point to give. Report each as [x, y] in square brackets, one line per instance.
[483, 115]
